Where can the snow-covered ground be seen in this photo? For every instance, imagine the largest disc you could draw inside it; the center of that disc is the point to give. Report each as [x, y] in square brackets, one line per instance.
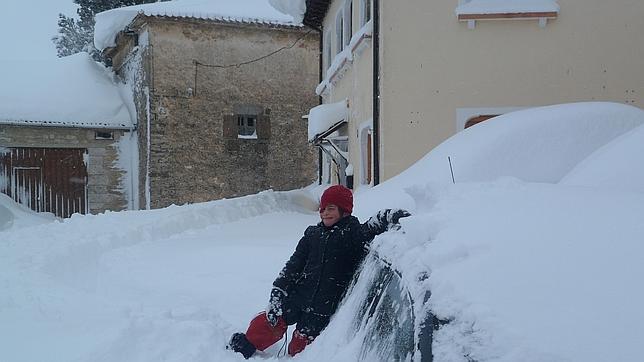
[526, 269]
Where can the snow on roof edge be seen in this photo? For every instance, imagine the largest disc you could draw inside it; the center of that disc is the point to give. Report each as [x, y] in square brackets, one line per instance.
[70, 124]
[111, 22]
[506, 7]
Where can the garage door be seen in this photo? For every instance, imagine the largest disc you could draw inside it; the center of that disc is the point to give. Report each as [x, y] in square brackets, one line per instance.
[45, 179]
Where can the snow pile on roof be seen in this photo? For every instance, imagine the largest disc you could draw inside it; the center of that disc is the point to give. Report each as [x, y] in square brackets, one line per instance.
[617, 165]
[324, 116]
[74, 91]
[15, 216]
[506, 6]
[295, 8]
[110, 23]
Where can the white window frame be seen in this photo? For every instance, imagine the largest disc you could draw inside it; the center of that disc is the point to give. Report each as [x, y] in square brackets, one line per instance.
[365, 130]
[364, 6]
[326, 51]
[339, 31]
[348, 21]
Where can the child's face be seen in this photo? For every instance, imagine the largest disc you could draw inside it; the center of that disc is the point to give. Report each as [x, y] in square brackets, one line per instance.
[330, 215]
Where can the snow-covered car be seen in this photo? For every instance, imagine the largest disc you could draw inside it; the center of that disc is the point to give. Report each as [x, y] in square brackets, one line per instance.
[512, 261]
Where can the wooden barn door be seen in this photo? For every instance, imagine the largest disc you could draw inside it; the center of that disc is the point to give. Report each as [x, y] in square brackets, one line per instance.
[46, 179]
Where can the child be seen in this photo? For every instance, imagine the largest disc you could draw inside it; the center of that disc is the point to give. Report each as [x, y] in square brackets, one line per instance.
[310, 286]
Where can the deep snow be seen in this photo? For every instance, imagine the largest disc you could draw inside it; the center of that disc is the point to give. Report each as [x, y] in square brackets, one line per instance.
[525, 269]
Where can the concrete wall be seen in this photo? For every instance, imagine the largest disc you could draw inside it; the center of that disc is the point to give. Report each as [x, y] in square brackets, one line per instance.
[190, 159]
[433, 66]
[105, 189]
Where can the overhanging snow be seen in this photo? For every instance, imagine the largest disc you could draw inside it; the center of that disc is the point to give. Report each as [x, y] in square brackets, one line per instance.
[325, 116]
[73, 91]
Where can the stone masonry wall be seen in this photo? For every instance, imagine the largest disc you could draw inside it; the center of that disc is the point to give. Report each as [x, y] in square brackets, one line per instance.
[104, 189]
[193, 91]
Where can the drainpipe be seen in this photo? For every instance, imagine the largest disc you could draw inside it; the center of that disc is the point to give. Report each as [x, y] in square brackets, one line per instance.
[376, 92]
[320, 78]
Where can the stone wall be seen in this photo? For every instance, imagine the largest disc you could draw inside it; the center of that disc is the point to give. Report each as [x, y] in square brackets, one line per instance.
[104, 187]
[195, 84]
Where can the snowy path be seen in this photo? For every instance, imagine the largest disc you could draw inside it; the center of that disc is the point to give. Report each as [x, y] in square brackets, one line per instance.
[170, 285]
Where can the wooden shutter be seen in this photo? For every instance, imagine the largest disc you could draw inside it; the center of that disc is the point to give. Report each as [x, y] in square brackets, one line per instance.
[46, 179]
[230, 127]
[263, 127]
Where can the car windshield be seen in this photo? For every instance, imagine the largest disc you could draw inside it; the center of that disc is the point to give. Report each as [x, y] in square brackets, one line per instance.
[383, 314]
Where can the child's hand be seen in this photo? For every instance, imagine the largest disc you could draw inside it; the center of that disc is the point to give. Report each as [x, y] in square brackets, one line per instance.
[386, 218]
[274, 309]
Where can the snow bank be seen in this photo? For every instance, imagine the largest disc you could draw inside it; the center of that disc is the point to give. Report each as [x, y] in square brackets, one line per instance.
[74, 91]
[110, 23]
[169, 284]
[324, 116]
[506, 6]
[538, 144]
[539, 273]
[617, 165]
[14, 215]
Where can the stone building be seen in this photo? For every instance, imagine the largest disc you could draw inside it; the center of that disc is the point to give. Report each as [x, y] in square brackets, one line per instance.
[67, 139]
[219, 98]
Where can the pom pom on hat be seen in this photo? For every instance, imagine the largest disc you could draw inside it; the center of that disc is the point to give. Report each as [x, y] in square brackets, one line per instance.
[337, 195]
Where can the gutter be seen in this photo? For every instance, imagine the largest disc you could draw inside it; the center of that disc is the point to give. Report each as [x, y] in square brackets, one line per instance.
[320, 79]
[376, 92]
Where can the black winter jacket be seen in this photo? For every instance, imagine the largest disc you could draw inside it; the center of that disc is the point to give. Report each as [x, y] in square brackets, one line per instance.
[324, 262]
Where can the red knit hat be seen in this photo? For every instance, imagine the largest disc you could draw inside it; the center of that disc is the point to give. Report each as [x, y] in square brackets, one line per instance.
[337, 195]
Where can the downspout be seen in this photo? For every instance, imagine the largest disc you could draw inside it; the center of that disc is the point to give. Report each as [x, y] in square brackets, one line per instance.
[376, 92]
[320, 78]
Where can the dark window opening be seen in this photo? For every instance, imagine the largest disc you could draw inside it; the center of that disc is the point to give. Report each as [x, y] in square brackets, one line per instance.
[247, 126]
[478, 119]
[103, 135]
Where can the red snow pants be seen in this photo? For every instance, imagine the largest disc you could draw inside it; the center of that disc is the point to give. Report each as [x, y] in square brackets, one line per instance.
[262, 335]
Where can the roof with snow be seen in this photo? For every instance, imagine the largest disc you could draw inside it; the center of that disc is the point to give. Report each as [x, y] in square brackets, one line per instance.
[110, 23]
[74, 91]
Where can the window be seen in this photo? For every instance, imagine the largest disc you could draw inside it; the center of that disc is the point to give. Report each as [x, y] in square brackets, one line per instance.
[348, 21]
[339, 31]
[385, 316]
[247, 126]
[101, 135]
[478, 119]
[365, 12]
[326, 52]
[246, 122]
[366, 139]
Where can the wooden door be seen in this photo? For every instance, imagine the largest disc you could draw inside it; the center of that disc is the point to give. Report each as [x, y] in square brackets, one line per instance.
[46, 179]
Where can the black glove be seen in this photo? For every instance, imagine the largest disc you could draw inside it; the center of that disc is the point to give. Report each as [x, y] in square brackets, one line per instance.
[394, 216]
[384, 219]
[274, 309]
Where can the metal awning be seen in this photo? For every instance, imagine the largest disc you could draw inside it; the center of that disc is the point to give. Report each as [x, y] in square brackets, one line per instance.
[326, 119]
